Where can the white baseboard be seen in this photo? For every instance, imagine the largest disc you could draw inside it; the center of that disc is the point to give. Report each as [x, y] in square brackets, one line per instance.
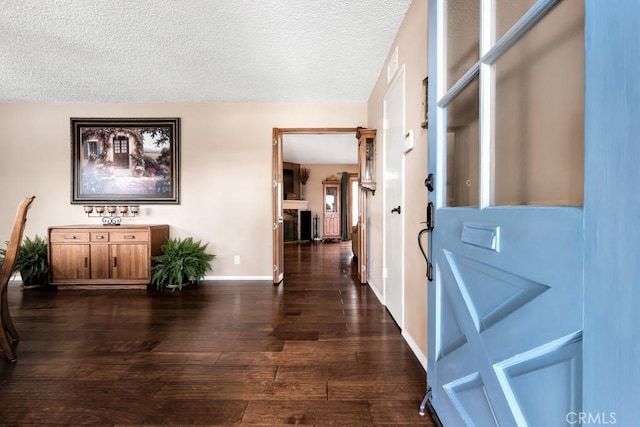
[375, 291]
[422, 358]
[234, 278]
[17, 278]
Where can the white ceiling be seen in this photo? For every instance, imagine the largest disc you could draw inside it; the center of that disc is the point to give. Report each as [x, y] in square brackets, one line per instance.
[194, 50]
[327, 148]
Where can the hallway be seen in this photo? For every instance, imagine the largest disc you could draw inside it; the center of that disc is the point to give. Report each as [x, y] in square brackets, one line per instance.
[319, 349]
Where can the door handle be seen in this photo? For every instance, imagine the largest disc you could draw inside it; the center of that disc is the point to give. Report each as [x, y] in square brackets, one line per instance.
[424, 254]
[396, 210]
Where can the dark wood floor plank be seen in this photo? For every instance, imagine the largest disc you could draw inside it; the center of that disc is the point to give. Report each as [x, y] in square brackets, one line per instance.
[319, 349]
[398, 413]
[245, 389]
[193, 373]
[325, 413]
[353, 389]
[347, 372]
[78, 412]
[280, 358]
[221, 346]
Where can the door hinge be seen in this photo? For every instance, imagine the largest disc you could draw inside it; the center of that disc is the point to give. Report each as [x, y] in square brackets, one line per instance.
[275, 267]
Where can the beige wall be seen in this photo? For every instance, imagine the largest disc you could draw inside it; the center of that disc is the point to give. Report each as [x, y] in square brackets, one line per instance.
[225, 170]
[412, 53]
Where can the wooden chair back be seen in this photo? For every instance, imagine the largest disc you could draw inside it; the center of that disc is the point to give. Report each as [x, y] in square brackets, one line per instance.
[6, 271]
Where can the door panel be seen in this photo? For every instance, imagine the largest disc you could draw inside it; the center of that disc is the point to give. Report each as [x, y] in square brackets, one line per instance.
[130, 261]
[278, 217]
[363, 236]
[508, 313]
[100, 262]
[393, 140]
[503, 318]
[505, 306]
[69, 262]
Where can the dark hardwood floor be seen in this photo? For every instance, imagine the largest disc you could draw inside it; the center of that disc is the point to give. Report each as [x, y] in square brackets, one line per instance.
[319, 349]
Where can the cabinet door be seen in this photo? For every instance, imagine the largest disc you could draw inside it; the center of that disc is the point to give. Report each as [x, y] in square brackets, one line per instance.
[331, 219]
[99, 261]
[332, 226]
[69, 262]
[130, 261]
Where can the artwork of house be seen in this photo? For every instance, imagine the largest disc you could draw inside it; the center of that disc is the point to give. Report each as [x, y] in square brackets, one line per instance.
[118, 160]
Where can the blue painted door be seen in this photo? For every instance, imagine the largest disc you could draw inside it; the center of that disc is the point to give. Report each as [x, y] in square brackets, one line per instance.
[506, 149]
[612, 206]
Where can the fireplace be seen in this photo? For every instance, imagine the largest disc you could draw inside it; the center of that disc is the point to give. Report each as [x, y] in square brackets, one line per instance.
[291, 219]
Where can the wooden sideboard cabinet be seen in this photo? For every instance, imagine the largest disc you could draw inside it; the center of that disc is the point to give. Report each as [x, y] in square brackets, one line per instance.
[90, 255]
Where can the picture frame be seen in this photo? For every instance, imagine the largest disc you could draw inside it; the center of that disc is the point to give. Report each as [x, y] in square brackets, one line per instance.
[425, 103]
[125, 161]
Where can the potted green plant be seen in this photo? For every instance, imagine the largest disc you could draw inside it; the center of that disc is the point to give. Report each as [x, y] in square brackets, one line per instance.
[32, 262]
[181, 262]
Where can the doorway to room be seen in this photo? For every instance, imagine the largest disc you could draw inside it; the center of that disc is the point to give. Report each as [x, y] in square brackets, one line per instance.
[302, 159]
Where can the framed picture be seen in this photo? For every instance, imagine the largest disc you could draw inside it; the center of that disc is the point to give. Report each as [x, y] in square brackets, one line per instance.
[425, 103]
[125, 161]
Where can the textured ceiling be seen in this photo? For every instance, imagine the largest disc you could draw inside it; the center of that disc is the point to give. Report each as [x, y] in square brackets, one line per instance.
[194, 50]
[325, 148]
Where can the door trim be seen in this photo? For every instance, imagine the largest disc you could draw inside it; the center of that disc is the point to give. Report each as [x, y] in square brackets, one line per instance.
[277, 214]
[277, 197]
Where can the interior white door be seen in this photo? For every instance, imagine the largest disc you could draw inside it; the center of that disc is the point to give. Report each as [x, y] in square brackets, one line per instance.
[393, 139]
[506, 303]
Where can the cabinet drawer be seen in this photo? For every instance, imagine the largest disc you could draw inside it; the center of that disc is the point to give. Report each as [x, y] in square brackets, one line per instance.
[99, 237]
[71, 236]
[128, 236]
